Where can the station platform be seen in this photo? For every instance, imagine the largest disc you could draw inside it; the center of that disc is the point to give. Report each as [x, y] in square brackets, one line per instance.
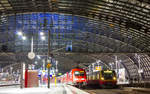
[59, 89]
[135, 89]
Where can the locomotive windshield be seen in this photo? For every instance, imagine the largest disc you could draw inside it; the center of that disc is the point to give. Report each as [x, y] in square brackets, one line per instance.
[108, 74]
[79, 73]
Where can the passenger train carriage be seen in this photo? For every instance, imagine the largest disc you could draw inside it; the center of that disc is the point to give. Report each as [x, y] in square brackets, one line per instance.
[103, 78]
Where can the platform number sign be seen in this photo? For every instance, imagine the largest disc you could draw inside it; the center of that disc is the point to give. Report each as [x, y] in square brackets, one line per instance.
[49, 65]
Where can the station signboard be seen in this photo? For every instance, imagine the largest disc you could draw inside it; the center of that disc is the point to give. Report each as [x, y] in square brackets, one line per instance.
[51, 76]
[98, 68]
[49, 65]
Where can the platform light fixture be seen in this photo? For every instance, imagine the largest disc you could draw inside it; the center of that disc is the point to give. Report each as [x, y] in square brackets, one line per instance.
[35, 62]
[19, 33]
[43, 38]
[38, 57]
[24, 37]
[41, 33]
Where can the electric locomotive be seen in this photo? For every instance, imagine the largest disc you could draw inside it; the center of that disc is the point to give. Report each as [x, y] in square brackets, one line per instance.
[76, 77]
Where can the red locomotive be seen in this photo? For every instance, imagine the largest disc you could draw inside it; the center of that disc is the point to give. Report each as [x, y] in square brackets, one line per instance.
[76, 77]
[103, 78]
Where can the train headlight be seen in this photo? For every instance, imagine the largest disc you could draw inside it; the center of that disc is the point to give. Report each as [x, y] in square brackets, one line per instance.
[102, 78]
[114, 78]
[76, 79]
[82, 79]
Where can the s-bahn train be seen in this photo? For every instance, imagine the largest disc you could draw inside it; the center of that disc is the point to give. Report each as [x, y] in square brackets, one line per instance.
[103, 78]
[76, 77]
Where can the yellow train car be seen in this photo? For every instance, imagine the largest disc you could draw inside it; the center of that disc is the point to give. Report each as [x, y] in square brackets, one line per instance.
[103, 78]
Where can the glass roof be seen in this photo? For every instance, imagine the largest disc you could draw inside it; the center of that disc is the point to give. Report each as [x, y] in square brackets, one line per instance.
[123, 20]
[67, 32]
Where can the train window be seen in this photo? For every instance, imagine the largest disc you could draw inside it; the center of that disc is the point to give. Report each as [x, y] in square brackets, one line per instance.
[97, 75]
[86, 76]
[108, 74]
[79, 73]
[93, 76]
[89, 77]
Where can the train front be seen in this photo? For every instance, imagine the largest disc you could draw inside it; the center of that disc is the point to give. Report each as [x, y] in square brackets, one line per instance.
[79, 77]
[108, 79]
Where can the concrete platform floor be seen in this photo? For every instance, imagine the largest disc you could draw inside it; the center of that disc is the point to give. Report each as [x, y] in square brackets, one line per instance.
[59, 89]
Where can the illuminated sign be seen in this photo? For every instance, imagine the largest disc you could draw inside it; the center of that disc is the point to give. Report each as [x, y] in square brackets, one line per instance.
[81, 71]
[98, 68]
[107, 71]
[59, 73]
[51, 76]
[49, 65]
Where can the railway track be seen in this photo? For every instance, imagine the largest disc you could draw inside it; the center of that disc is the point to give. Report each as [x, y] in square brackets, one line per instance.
[104, 91]
[116, 91]
[9, 85]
